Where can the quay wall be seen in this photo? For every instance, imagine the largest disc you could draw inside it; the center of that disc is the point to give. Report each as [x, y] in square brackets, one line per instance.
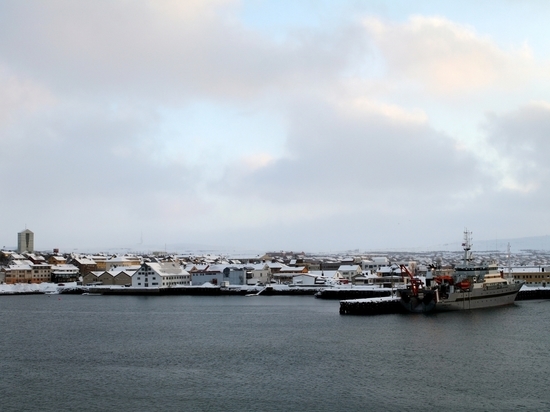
[206, 291]
[341, 294]
[531, 294]
[371, 307]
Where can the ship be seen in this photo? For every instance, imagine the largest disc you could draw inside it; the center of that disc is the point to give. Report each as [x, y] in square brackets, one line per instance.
[470, 286]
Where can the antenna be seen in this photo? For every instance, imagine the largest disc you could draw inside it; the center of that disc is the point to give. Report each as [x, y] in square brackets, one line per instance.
[508, 257]
[467, 245]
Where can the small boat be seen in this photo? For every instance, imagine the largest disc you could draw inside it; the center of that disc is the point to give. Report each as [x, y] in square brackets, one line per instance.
[469, 287]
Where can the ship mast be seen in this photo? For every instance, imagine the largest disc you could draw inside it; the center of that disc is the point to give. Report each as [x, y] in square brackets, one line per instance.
[508, 253]
[467, 245]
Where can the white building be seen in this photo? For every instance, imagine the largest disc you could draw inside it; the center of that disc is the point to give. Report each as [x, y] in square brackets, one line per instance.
[349, 272]
[308, 279]
[259, 273]
[160, 275]
[374, 264]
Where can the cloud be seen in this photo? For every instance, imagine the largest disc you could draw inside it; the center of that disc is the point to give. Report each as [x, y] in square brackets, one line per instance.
[20, 95]
[359, 157]
[446, 58]
[520, 139]
[168, 52]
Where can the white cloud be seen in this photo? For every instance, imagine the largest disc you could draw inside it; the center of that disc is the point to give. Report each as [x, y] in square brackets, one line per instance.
[363, 106]
[20, 95]
[351, 162]
[520, 138]
[447, 58]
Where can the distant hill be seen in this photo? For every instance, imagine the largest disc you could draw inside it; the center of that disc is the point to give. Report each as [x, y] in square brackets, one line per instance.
[517, 244]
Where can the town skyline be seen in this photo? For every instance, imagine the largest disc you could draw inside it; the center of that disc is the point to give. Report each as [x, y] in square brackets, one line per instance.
[533, 243]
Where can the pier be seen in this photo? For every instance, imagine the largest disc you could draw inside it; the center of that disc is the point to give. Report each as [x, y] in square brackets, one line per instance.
[353, 293]
[205, 291]
[371, 306]
[531, 294]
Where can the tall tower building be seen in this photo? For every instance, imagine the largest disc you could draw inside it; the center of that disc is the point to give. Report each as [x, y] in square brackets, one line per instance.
[25, 241]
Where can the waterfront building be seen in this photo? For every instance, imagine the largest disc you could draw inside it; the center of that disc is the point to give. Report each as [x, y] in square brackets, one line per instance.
[41, 272]
[349, 272]
[332, 277]
[25, 241]
[91, 278]
[160, 275]
[25, 271]
[308, 279]
[216, 274]
[121, 276]
[64, 273]
[259, 273]
[18, 273]
[533, 276]
[286, 273]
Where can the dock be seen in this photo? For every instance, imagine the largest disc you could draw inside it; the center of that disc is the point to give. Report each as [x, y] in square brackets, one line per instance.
[535, 293]
[371, 306]
[353, 293]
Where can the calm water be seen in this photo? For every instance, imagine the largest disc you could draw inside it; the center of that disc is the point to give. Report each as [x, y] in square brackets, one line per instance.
[181, 353]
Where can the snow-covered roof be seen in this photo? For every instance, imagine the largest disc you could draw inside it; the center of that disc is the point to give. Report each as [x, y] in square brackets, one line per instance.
[292, 269]
[123, 259]
[19, 266]
[84, 261]
[325, 273]
[167, 268]
[349, 268]
[258, 266]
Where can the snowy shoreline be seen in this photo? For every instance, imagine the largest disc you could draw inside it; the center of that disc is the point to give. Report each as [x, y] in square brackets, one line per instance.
[54, 288]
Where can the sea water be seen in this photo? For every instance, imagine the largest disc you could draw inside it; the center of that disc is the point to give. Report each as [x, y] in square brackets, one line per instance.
[266, 353]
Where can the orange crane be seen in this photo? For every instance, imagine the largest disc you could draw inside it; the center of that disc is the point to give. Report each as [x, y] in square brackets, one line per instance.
[416, 283]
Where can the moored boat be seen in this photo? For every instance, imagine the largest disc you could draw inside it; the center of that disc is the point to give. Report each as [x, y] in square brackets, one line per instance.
[469, 287]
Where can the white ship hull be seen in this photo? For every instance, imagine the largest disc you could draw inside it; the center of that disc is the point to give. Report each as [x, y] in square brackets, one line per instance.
[479, 298]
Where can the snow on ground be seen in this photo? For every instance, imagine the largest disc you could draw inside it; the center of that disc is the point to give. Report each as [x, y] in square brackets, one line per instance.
[34, 287]
[374, 300]
[54, 287]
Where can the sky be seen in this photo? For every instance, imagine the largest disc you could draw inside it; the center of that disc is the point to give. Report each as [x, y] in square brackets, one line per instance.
[290, 125]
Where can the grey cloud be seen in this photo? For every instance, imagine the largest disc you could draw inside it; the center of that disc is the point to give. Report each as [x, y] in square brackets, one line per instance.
[368, 156]
[522, 137]
[74, 153]
[123, 49]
